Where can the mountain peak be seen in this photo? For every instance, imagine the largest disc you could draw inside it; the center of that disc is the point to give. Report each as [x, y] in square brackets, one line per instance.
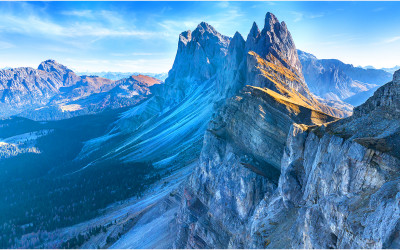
[396, 77]
[237, 36]
[205, 27]
[205, 31]
[51, 65]
[270, 21]
[254, 32]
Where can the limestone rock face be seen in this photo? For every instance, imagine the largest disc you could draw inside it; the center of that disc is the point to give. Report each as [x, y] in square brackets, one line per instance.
[396, 77]
[233, 74]
[59, 71]
[239, 162]
[272, 62]
[275, 39]
[333, 193]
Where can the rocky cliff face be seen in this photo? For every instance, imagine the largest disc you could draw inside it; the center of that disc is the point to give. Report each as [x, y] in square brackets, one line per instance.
[332, 193]
[334, 80]
[339, 185]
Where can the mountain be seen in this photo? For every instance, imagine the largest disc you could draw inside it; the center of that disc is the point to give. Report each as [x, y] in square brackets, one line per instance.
[232, 151]
[55, 92]
[368, 67]
[361, 97]
[334, 80]
[22, 87]
[121, 75]
[389, 70]
[392, 70]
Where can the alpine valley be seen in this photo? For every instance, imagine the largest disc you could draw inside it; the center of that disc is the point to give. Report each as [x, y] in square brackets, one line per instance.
[248, 143]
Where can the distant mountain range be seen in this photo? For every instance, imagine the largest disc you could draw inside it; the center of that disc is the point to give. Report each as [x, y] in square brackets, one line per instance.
[55, 92]
[121, 75]
[334, 80]
[390, 70]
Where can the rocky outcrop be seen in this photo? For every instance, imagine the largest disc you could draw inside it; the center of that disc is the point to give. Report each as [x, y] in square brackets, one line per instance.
[332, 193]
[334, 80]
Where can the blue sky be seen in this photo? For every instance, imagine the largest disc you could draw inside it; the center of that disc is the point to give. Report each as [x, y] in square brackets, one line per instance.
[143, 36]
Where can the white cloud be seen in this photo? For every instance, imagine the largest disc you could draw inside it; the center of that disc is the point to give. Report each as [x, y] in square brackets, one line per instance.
[378, 9]
[299, 16]
[392, 40]
[34, 25]
[136, 54]
[78, 13]
[6, 45]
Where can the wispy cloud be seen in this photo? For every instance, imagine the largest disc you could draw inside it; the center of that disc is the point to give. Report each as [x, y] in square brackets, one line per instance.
[138, 65]
[37, 25]
[392, 39]
[299, 16]
[78, 13]
[136, 54]
[378, 9]
[6, 45]
[98, 15]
